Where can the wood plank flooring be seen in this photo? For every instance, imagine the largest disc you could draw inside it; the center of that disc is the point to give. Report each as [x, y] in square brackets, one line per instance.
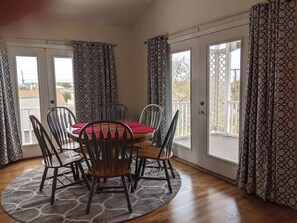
[202, 198]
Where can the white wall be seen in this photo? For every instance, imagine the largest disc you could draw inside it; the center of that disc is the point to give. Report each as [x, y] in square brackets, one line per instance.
[164, 16]
[45, 28]
[169, 17]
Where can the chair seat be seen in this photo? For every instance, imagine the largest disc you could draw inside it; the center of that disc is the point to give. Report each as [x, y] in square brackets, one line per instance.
[143, 144]
[152, 152]
[114, 171]
[70, 146]
[66, 157]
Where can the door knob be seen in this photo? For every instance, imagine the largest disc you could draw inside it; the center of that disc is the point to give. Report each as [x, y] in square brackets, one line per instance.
[52, 101]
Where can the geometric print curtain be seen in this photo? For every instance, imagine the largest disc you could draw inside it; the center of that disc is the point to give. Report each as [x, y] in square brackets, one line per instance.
[10, 144]
[157, 70]
[95, 78]
[267, 165]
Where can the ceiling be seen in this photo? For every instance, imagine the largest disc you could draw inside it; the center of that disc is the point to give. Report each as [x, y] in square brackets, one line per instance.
[104, 12]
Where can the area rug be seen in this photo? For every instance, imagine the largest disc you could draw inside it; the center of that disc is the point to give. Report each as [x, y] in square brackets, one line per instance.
[22, 200]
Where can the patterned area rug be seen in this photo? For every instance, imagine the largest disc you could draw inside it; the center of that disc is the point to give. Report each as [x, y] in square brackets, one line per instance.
[22, 200]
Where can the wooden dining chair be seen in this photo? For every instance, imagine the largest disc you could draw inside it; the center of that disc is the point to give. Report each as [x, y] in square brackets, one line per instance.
[161, 154]
[114, 111]
[152, 115]
[59, 119]
[108, 145]
[52, 159]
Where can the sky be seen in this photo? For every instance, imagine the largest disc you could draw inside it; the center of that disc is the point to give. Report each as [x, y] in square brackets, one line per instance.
[28, 66]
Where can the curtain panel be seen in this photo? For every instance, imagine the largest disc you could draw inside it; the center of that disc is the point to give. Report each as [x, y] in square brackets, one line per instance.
[267, 165]
[157, 71]
[10, 144]
[95, 78]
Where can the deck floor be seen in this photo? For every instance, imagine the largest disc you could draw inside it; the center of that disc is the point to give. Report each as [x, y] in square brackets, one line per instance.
[224, 147]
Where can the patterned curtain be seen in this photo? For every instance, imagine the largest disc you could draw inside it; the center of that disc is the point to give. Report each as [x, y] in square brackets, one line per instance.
[95, 78]
[10, 145]
[267, 164]
[157, 68]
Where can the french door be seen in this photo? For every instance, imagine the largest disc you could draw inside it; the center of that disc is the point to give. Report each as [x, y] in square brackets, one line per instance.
[41, 78]
[222, 65]
[217, 63]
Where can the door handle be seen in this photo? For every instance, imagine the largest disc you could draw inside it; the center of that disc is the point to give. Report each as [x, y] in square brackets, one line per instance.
[202, 113]
[52, 101]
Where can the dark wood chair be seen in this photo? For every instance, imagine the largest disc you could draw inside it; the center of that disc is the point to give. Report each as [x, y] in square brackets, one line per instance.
[55, 160]
[108, 146]
[114, 111]
[161, 154]
[59, 118]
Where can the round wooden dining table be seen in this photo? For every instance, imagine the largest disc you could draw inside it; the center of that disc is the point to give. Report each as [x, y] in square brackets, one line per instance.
[140, 131]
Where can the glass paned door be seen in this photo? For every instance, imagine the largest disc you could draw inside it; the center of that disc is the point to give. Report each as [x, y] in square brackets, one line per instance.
[41, 78]
[181, 95]
[224, 61]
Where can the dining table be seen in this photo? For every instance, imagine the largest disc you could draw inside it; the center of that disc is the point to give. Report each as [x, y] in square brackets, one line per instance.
[141, 132]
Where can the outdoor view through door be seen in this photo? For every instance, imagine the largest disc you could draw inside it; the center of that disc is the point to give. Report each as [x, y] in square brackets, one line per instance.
[29, 100]
[224, 99]
[181, 95]
[64, 82]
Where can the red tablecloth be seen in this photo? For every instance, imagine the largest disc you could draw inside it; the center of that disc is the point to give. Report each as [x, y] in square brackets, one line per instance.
[136, 128]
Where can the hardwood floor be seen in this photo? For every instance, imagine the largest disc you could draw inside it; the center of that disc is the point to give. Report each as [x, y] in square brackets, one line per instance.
[202, 198]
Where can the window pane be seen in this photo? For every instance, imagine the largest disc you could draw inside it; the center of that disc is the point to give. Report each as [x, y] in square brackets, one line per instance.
[64, 82]
[28, 92]
[181, 95]
[224, 99]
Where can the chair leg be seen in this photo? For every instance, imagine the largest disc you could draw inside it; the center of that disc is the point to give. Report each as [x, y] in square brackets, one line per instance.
[91, 195]
[131, 187]
[170, 165]
[74, 173]
[138, 173]
[136, 161]
[126, 194]
[77, 171]
[143, 167]
[83, 174]
[43, 178]
[167, 176]
[54, 185]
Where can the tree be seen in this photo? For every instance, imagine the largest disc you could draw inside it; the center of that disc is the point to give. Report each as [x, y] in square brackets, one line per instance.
[67, 96]
[181, 79]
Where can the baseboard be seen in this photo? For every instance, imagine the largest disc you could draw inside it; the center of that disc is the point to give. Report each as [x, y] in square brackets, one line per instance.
[228, 180]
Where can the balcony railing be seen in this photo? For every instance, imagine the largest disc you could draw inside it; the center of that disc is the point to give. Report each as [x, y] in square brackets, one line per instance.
[27, 132]
[184, 120]
[233, 118]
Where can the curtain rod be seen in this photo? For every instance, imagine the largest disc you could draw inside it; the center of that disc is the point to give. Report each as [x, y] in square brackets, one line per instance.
[44, 41]
[197, 26]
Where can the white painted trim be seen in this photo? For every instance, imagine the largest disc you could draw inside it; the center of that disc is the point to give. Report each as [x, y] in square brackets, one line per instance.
[229, 25]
